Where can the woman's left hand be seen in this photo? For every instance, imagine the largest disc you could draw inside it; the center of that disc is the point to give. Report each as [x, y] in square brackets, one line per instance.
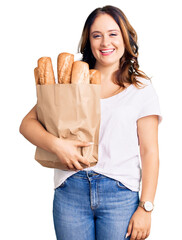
[139, 225]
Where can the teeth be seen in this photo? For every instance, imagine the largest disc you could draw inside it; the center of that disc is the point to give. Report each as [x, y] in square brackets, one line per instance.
[107, 51]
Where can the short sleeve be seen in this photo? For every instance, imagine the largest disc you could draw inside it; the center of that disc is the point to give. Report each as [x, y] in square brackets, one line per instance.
[150, 107]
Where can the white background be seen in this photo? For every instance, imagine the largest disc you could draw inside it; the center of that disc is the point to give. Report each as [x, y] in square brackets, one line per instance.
[32, 29]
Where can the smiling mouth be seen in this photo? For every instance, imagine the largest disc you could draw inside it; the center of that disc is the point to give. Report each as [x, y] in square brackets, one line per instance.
[107, 51]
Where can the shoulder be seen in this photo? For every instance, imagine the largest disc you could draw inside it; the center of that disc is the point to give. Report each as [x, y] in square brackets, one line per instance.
[146, 89]
[143, 80]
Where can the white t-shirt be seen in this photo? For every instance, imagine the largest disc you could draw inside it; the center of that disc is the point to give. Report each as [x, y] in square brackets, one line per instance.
[118, 152]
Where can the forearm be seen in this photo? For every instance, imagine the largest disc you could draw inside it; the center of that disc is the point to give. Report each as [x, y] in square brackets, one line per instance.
[34, 132]
[150, 171]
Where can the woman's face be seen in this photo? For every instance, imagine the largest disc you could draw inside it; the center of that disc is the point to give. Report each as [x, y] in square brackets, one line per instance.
[106, 41]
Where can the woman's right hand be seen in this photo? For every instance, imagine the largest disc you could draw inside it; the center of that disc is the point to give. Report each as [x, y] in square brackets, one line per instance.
[67, 152]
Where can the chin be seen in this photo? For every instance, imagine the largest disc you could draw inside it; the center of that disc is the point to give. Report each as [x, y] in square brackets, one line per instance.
[109, 63]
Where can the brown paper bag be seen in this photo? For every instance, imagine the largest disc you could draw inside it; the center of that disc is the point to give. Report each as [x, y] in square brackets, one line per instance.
[69, 111]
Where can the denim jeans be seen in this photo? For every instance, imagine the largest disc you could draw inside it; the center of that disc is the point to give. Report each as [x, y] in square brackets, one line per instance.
[89, 206]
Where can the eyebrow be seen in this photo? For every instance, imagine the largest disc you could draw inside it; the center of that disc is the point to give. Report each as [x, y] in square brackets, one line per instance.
[108, 31]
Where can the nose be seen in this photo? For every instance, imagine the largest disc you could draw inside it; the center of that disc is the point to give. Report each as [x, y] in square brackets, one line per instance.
[105, 41]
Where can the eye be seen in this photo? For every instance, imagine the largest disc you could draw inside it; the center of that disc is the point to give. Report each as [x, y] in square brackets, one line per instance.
[113, 34]
[96, 36]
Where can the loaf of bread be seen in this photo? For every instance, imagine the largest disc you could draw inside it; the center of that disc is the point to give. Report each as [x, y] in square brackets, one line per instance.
[95, 76]
[41, 70]
[45, 71]
[68, 71]
[80, 72]
[36, 74]
[64, 67]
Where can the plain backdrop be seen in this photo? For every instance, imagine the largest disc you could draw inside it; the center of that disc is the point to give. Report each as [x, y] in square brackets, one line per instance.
[32, 29]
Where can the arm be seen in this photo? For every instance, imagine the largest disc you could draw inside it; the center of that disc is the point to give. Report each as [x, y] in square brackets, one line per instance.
[35, 133]
[149, 152]
[66, 150]
[140, 222]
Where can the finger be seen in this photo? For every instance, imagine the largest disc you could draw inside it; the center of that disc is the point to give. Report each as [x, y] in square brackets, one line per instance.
[144, 235]
[139, 236]
[148, 233]
[84, 161]
[129, 229]
[73, 169]
[70, 166]
[77, 165]
[82, 143]
[133, 235]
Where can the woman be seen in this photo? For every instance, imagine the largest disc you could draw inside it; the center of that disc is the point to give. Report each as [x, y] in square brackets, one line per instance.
[102, 202]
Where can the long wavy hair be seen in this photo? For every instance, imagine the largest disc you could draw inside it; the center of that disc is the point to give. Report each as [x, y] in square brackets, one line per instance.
[128, 71]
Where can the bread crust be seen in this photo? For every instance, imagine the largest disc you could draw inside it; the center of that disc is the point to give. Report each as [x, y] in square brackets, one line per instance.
[80, 72]
[36, 74]
[45, 71]
[95, 76]
[64, 67]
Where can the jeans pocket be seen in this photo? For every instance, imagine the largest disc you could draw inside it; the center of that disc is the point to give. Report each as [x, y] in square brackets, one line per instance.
[62, 185]
[121, 186]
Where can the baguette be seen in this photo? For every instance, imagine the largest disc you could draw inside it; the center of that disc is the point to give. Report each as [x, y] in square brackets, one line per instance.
[36, 74]
[80, 72]
[41, 66]
[45, 71]
[95, 76]
[64, 67]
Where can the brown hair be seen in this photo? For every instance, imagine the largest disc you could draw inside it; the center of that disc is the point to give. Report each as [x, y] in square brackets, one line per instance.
[128, 71]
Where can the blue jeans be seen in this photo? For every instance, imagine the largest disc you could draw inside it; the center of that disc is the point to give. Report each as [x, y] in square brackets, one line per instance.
[89, 206]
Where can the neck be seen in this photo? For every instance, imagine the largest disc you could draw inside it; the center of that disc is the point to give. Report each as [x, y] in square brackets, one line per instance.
[106, 71]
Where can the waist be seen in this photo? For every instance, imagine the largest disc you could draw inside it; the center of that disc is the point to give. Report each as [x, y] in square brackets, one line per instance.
[88, 174]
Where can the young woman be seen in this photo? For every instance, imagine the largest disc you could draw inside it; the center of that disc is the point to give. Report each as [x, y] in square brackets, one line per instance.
[102, 202]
